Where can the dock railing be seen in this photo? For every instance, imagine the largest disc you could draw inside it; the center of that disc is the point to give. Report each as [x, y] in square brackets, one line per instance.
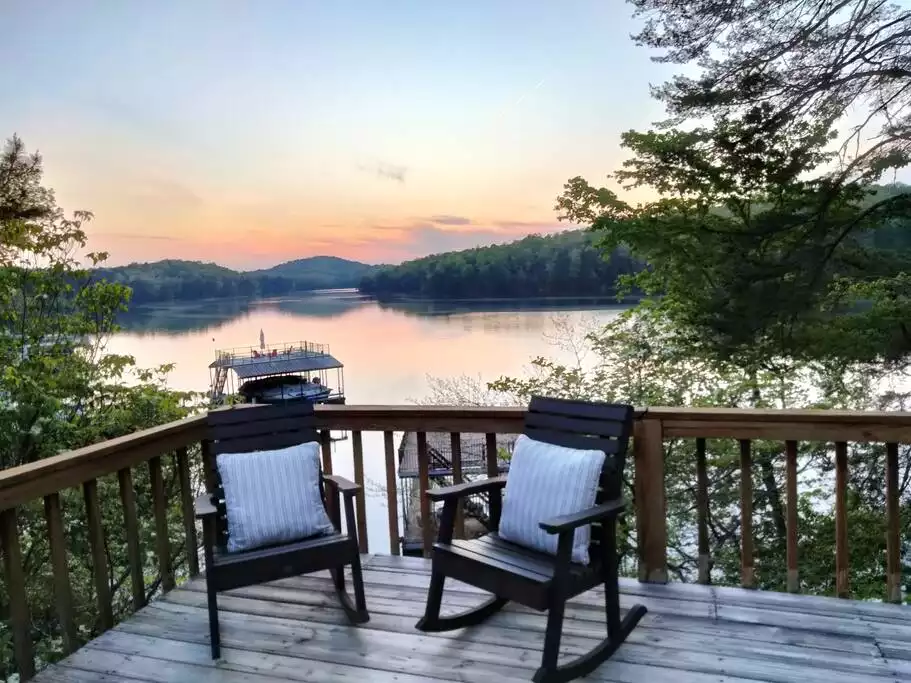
[162, 469]
[245, 353]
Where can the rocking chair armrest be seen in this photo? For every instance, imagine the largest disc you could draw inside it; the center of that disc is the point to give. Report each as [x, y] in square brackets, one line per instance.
[558, 525]
[204, 507]
[342, 485]
[462, 490]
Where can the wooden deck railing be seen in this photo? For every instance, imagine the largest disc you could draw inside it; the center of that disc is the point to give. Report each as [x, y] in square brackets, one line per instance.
[175, 449]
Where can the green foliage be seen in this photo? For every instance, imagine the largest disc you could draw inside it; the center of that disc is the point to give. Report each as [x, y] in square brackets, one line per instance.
[639, 359]
[805, 59]
[565, 264]
[175, 280]
[757, 257]
[59, 390]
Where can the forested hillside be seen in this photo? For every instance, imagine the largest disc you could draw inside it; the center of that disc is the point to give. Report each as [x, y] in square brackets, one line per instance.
[565, 264]
[175, 280]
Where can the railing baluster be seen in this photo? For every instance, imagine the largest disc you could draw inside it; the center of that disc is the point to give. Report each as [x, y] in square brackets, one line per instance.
[63, 592]
[162, 542]
[651, 506]
[493, 470]
[842, 581]
[332, 501]
[747, 577]
[208, 474]
[357, 448]
[790, 448]
[424, 485]
[702, 512]
[19, 617]
[134, 550]
[182, 462]
[99, 558]
[893, 527]
[326, 445]
[392, 507]
[455, 447]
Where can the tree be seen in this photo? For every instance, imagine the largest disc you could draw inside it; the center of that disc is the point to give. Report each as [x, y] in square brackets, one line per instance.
[806, 59]
[59, 390]
[757, 256]
[641, 359]
[54, 317]
[564, 264]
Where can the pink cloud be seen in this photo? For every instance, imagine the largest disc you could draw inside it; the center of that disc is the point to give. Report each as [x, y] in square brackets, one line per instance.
[381, 243]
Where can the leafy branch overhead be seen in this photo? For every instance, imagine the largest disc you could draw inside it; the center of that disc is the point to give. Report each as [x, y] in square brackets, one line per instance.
[765, 238]
[806, 59]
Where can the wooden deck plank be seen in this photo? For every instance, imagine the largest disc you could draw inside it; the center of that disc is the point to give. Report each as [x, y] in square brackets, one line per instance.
[505, 644]
[295, 630]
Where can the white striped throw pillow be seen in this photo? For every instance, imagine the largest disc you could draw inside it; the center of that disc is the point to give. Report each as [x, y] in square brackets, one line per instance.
[273, 496]
[546, 481]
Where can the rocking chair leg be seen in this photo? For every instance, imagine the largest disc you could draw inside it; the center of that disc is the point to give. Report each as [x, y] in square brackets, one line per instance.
[338, 578]
[357, 578]
[612, 586]
[552, 638]
[214, 635]
[434, 601]
[355, 611]
[433, 622]
[617, 629]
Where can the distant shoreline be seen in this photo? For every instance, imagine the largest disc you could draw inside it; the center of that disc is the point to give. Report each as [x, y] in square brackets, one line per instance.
[384, 300]
[626, 300]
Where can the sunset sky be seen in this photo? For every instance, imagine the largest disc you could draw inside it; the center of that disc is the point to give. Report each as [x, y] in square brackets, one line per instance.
[250, 133]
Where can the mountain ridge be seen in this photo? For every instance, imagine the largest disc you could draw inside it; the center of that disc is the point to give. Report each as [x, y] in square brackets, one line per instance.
[181, 280]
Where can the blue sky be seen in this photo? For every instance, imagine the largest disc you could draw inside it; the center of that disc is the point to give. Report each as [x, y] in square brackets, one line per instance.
[254, 132]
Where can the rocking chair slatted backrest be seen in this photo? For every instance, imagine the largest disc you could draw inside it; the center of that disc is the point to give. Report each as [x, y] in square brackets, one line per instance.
[260, 428]
[591, 426]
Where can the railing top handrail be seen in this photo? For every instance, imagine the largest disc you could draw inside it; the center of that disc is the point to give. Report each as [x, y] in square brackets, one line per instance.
[72, 468]
[323, 348]
[786, 416]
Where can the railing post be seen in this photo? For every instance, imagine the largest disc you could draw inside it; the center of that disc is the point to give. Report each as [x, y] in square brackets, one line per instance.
[391, 495]
[99, 557]
[63, 592]
[357, 451]
[651, 507]
[747, 567]
[702, 514]
[182, 463]
[160, 513]
[131, 526]
[793, 571]
[427, 530]
[842, 559]
[455, 448]
[893, 527]
[19, 617]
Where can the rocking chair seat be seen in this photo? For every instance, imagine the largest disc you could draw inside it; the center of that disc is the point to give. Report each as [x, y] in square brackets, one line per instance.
[509, 570]
[279, 561]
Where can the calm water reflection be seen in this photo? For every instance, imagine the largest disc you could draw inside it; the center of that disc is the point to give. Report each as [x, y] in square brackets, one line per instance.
[388, 349]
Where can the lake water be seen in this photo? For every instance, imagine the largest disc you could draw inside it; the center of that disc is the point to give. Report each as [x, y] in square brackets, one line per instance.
[388, 350]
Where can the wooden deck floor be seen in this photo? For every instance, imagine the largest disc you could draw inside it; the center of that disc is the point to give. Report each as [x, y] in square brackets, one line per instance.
[293, 630]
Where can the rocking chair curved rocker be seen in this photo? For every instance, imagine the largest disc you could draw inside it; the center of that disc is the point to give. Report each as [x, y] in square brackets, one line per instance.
[534, 579]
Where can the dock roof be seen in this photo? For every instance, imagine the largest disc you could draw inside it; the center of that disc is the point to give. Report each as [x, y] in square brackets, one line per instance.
[277, 365]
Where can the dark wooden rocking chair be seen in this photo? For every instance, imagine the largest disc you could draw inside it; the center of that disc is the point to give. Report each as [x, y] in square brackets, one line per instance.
[239, 430]
[539, 580]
